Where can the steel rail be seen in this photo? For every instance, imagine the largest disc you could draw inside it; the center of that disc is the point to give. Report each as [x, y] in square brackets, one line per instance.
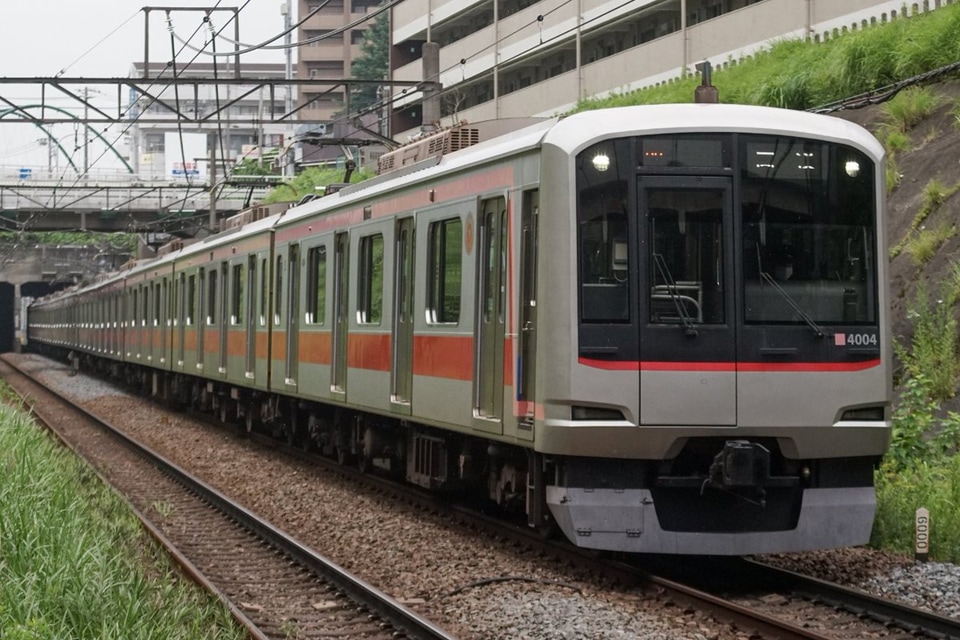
[399, 617]
[860, 602]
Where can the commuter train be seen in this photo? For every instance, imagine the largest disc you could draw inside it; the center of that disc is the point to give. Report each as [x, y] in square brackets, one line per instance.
[660, 329]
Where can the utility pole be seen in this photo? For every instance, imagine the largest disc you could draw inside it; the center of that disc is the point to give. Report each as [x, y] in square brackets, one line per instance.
[212, 142]
[86, 130]
[288, 159]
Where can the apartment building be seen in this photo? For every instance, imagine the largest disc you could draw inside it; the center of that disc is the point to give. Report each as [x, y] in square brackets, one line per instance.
[329, 52]
[513, 58]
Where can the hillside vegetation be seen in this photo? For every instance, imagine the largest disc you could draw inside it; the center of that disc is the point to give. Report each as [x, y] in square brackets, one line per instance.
[802, 74]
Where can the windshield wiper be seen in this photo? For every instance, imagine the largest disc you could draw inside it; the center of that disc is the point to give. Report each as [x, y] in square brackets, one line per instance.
[661, 265]
[817, 329]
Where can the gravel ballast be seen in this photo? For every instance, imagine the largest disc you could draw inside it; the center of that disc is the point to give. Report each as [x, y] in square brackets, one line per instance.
[455, 577]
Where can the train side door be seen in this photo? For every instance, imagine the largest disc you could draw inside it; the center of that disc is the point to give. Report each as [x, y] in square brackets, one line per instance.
[402, 381]
[201, 317]
[341, 254]
[687, 329]
[293, 314]
[527, 364]
[491, 310]
[224, 315]
[166, 315]
[250, 361]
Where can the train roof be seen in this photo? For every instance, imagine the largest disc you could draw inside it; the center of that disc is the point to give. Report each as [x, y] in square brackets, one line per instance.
[574, 133]
[498, 148]
[570, 134]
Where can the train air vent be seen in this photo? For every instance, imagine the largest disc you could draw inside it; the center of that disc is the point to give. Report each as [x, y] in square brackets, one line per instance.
[436, 145]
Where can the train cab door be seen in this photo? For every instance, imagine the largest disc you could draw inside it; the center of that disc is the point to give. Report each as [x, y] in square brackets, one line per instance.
[402, 360]
[687, 314]
[293, 316]
[491, 313]
[341, 315]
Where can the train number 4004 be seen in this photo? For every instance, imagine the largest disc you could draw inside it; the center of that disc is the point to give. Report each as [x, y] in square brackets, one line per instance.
[861, 340]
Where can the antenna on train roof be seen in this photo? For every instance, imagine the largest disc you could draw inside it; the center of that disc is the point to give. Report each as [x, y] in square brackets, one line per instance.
[706, 93]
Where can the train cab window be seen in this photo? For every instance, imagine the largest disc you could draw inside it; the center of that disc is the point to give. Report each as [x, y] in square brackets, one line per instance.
[237, 295]
[211, 298]
[686, 256]
[808, 212]
[444, 270]
[316, 285]
[603, 232]
[370, 283]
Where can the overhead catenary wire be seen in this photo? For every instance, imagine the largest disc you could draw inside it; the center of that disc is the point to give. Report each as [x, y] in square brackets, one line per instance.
[98, 43]
[25, 225]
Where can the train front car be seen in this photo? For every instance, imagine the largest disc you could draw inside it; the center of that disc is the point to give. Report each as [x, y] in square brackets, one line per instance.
[718, 329]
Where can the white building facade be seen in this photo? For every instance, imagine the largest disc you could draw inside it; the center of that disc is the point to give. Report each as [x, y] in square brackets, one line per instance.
[514, 58]
[166, 150]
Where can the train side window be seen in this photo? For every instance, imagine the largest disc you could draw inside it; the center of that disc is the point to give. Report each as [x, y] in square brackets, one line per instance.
[191, 299]
[444, 270]
[316, 285]
[134, 308]
[236, 311]
[278, 293]
[212, 298]
[263, 292]
[370, 289]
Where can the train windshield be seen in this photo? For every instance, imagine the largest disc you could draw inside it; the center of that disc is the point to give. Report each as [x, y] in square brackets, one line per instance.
[808, 232]
[684, 229]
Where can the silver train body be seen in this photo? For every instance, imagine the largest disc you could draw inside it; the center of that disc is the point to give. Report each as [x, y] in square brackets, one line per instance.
[661, 329]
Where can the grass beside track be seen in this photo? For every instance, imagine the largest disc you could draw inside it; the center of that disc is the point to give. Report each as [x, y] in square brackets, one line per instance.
[74, 561]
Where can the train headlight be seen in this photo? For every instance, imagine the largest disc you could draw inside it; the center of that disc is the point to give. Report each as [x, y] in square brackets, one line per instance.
[601, 162]
[852, 167]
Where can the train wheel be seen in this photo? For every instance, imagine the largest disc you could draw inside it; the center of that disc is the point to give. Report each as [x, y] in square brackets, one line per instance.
[291, 428]
[250, 418]
[223, 412]
[363, 463]
[548, 529]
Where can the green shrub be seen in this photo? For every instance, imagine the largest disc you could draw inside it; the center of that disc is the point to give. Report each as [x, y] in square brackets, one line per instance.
[925, 243]
[909, 107]
[934, 353]
[894, 140]
[934, 485]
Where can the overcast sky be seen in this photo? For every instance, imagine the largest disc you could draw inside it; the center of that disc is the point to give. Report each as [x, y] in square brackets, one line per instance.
[102, 38]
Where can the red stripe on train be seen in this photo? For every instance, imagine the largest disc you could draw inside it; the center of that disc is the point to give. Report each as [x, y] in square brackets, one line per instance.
[745, 367]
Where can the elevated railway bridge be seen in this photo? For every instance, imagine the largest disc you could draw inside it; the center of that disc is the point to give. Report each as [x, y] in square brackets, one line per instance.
[36, 201]
[32, 200]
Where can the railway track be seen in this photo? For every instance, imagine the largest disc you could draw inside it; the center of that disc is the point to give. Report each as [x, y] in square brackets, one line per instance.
[766, 602]
[274, 586]
[917, 622]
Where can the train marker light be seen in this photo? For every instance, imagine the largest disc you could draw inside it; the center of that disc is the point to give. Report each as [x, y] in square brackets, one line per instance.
[601, 162]
[852, 168]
